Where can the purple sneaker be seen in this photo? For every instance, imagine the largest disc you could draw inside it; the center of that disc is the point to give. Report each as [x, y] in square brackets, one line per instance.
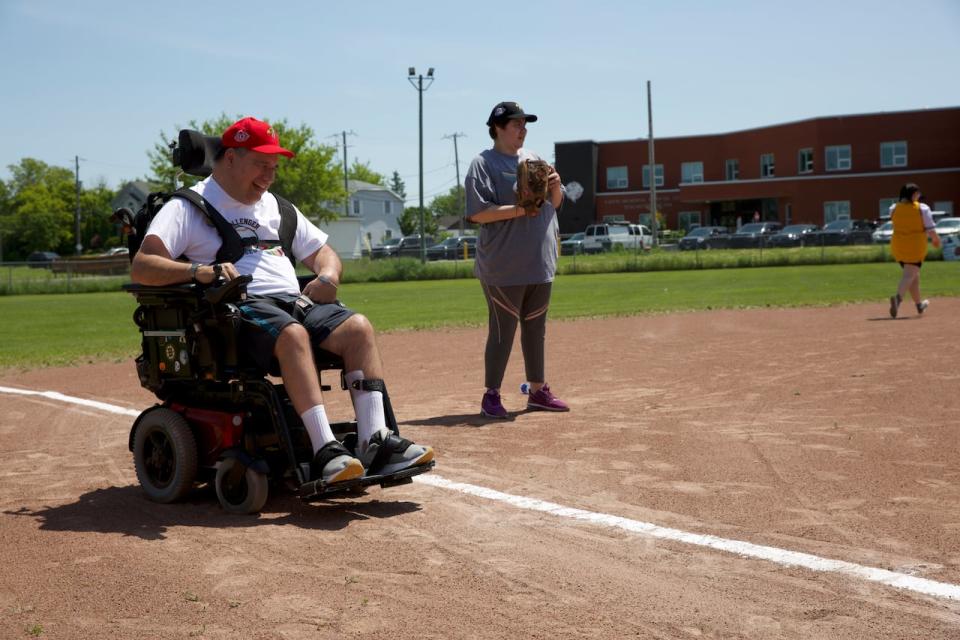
[546, 401]
[490, 406]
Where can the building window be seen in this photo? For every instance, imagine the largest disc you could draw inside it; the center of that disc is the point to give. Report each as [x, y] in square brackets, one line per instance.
[766, 165]
[646, 220]
[732, 169]
[691, 172]
[689, 219]
[356, 207]
[885, 204]
[616, 177]
[836, 210]
[944, 205]
[838, 158]
[893, 154]
[646, 175]
[386, 207]
[805, 161]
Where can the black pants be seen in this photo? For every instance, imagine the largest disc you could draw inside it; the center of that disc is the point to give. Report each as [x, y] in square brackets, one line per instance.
[525, 305]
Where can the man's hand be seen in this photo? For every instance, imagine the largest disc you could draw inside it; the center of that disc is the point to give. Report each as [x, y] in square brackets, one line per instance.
[322, 289]
[207, 273]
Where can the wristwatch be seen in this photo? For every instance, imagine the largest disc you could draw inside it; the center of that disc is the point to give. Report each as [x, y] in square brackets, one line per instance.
[193, 271]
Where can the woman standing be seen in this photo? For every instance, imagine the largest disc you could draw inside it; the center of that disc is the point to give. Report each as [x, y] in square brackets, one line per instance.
[912, 225]
[516, 258]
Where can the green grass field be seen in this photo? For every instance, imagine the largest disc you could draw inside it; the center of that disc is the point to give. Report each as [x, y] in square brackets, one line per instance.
[44, 330]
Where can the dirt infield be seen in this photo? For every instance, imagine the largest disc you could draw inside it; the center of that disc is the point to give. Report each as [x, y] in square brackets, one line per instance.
[832, 432]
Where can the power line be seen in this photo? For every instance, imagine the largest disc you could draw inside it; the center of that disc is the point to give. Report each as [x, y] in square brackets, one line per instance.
[456, 159]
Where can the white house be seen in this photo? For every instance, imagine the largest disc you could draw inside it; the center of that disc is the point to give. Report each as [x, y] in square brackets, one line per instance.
[372, 217]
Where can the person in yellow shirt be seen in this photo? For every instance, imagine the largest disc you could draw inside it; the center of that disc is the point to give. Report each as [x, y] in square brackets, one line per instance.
[912, 226]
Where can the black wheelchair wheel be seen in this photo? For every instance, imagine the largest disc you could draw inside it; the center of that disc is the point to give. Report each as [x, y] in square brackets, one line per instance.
[240, 489]
[165, 455]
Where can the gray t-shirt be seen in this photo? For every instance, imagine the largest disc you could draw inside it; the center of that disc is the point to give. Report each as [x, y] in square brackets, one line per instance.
[518, 251]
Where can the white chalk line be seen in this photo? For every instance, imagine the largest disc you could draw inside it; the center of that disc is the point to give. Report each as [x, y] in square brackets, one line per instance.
[737, 547]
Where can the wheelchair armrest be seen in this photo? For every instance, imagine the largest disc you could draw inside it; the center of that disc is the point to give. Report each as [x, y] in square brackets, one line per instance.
[229, 291]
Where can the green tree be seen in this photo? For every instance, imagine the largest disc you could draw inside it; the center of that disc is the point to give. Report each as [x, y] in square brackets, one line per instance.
[448, 204]
[41, 204]
[362, 171]
[312, 179]
[39, 208]
[409, 221]
[398, 186]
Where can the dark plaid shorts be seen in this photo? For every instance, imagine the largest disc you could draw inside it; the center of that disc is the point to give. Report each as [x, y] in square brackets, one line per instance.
[264, 317]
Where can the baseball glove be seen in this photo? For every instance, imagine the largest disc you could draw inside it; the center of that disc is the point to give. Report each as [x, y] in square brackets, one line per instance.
[532, 184]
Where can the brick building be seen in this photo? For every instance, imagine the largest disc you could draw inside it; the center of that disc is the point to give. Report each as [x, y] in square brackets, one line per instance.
[815, 171]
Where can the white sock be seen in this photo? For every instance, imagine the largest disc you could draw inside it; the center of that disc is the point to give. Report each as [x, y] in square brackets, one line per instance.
[318, 427]
[369, 408]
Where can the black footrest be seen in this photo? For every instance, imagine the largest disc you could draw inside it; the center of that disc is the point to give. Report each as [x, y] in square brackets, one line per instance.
[404, 476]
[318, 489]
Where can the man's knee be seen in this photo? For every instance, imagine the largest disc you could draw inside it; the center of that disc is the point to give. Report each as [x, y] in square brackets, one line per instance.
[358, 329]
[292, 336]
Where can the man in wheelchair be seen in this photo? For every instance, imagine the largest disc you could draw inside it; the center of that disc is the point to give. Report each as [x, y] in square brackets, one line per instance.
[279, 322]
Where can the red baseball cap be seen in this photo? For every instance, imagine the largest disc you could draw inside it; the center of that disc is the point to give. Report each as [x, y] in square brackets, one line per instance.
[253, 134]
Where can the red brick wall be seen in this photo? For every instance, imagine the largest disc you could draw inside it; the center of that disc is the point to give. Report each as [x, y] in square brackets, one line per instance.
[933, 142]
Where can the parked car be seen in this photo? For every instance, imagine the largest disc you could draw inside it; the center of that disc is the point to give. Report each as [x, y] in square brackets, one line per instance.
[388, 248]
[841, 232]
[42, 259]
[705, 238]
[948, 227]
[409, 246]
[452, 248]
[794, 235]
[118, 251]
[572, 245]
[608, 236]
[883, 233]
[750, 236]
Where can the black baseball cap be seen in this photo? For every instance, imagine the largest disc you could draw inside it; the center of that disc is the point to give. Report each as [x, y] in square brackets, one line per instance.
[508, 111]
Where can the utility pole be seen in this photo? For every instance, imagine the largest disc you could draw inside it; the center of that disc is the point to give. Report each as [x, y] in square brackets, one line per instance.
[456, 160]
[653, 169]
[418, 85]
[76, 216]
[346, 182]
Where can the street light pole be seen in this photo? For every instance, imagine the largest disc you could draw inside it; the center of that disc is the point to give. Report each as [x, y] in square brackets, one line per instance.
[411, 75]
[76, 217]
[651, 158]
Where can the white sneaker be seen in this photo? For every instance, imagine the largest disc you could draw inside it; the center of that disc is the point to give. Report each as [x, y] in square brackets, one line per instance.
[922, 306]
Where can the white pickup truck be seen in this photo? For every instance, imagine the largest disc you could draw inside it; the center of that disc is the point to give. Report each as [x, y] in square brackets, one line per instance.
[608, 236]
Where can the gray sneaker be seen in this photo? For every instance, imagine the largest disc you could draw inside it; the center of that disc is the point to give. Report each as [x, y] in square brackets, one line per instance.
[894, 305]
[388, 453]
[333, 464]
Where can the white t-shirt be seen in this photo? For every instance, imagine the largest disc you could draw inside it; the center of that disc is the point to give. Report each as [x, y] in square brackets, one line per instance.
[186, 232]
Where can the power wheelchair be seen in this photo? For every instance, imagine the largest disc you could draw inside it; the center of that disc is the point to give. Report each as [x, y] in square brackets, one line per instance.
[220, 419]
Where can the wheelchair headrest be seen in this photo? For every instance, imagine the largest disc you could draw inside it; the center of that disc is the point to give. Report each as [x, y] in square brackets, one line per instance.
[195, 153]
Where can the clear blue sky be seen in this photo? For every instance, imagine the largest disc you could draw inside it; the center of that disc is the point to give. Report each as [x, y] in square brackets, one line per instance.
[101, 78]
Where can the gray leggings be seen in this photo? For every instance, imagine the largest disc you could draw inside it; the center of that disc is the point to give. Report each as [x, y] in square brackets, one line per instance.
[523, 304]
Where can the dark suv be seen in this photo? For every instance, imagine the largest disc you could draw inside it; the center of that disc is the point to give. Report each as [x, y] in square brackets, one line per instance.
[795, 235]
[705, 238]
[841, 232]
[39, 259]
[754, 235]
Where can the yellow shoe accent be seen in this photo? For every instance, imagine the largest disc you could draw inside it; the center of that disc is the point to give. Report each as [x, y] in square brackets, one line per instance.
[352, 471]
